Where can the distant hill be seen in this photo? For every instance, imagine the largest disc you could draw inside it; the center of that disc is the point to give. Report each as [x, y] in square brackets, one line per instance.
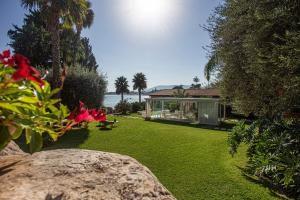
[164, 87]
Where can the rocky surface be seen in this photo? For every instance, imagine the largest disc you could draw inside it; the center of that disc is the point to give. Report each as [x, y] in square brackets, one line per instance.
[12, 149]
[77, 174]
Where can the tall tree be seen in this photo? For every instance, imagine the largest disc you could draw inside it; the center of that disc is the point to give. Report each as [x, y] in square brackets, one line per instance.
[139, 83]
[122, 86]
[255, 49]
[33, 40]
[61, 14]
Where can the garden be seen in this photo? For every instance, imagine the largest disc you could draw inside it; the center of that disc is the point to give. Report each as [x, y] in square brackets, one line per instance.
[51, 98]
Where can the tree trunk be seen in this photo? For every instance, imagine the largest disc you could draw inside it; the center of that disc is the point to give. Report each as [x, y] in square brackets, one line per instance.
[55, 52]
[140, 94]
[122, 97]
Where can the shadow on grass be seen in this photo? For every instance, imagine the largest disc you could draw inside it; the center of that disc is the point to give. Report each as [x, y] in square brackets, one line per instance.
[222, 127]
[274, 190]
[71, 139]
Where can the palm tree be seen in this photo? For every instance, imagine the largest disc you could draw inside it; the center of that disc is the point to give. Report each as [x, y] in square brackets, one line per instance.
[59, 14]
[139, 83]
[196, 81]
[122, 86]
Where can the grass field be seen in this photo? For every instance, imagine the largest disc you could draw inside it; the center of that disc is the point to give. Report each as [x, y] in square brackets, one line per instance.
[192, 162]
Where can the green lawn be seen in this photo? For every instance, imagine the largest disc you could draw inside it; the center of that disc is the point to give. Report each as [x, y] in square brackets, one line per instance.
[192, 162]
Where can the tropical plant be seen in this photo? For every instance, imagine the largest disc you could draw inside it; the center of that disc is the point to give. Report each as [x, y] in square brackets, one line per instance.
[139, 83]
[122, 86]
[58, 15]
[274, 151]
[33, 40]
[26, 104]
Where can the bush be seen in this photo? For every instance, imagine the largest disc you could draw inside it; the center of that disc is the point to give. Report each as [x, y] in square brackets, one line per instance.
[274, 151]
[84, 85]
[123, 107]
[136, 106]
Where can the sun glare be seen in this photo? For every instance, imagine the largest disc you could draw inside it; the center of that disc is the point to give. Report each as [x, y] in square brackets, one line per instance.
[149, 15]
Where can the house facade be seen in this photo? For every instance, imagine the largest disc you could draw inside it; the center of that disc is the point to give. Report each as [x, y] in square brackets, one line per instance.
[202, 106]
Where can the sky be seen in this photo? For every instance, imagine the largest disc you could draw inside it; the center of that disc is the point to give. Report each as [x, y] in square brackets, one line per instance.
[161, 38]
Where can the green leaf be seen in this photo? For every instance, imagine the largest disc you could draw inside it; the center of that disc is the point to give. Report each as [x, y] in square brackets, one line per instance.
[55, 91]
[10, 107]
[28, 134]
[36, 142]
[37, 87]
[17, 133]
[4, 137]
[27, 99]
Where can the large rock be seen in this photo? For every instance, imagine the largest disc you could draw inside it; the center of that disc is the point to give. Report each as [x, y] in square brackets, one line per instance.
[12, 149]
[77, 174]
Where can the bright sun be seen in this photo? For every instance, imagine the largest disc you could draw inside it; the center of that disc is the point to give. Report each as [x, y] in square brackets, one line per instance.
[149, 15]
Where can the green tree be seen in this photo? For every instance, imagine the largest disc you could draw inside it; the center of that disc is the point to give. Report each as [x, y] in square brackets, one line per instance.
[122, 86]
[255, 50]
[139, 83]
[58, 15]
[32, 40]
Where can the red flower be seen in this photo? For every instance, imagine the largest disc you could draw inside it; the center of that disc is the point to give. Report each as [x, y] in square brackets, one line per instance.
[25, 71]
[5, 54]
[6, 59]
[98, 115]
[83, 116]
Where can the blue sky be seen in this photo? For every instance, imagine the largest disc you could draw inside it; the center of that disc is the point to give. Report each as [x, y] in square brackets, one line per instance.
[166, 45]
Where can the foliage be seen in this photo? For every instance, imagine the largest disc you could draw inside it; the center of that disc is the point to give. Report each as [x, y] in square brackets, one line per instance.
[136, 106]
[58, 15]
[122, 86]
[139, 83]
[256, 49]
[83, 85]
[34, 41]
[123, 107]
[274, 151]
[26, 104]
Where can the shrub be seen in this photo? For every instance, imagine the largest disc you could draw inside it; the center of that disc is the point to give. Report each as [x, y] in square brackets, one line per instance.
[274, 151]
[136, 106]
[123, 107]
[83, 85]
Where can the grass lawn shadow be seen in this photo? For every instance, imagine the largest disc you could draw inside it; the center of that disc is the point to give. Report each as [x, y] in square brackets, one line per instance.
[222, 127]
[274, 190]
[71, 139]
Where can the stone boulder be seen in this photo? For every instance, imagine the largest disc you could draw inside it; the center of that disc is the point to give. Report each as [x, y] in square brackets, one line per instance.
[77, 174]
